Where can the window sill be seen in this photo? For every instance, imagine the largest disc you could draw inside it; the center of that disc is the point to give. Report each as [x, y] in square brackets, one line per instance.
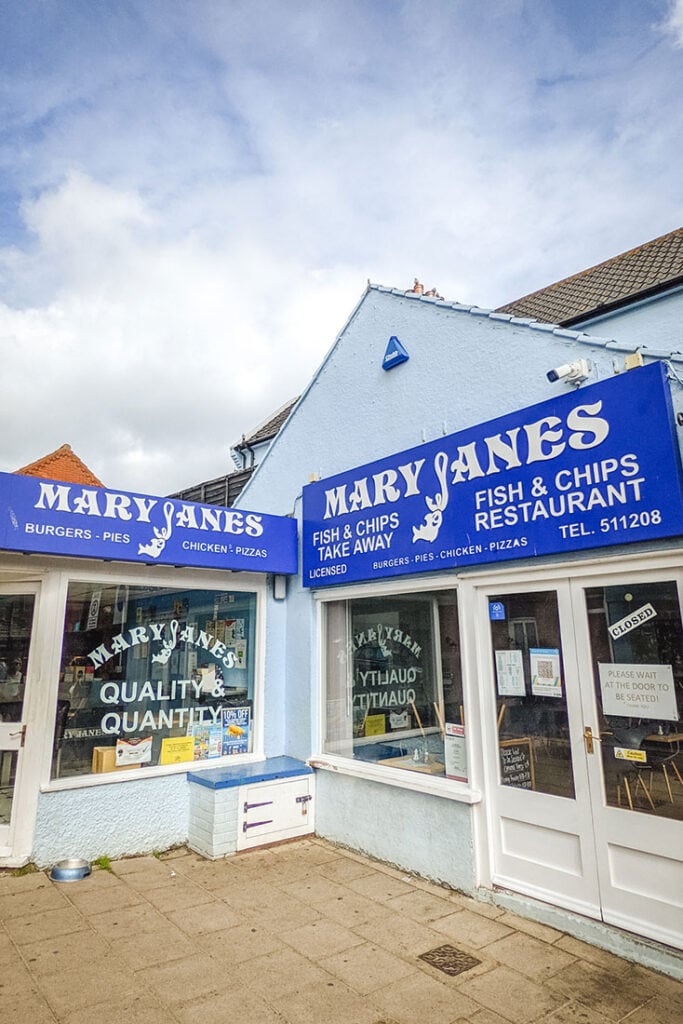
[137, 774]
[402, 778]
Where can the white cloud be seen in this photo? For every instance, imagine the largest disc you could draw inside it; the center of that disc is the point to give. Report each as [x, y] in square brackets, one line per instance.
[152, 355]
[205, 202]
[673, 23]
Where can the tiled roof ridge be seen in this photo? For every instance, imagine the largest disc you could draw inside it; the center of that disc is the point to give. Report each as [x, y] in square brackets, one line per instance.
[64, 452]
[269, 427]
[534, 325]
[638, 253]
[642, 248]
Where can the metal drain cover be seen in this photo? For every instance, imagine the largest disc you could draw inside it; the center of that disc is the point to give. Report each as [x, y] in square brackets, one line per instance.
[450, 960]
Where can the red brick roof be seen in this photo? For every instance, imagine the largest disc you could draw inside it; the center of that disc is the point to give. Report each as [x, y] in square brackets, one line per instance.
[62, 464]
[632, 275]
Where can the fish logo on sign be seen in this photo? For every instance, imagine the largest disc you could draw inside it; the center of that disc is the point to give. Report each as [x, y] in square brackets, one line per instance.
[429, 530]
[395, 354]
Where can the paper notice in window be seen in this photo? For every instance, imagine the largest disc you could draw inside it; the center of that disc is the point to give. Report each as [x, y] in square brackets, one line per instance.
[176, 749]
[638, 691]
[134, 751]
[236, 728]
[510, 674]
[375, 725]
[546, 680]
[455, 752]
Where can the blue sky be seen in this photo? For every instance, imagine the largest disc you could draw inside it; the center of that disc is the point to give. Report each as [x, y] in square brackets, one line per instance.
[194, 194]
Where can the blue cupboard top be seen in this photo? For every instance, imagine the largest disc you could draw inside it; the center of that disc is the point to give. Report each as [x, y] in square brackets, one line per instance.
[258, 771]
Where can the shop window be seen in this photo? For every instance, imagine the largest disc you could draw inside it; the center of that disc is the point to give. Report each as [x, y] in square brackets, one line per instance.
[16, 617]
[153, 676]
[394, 682]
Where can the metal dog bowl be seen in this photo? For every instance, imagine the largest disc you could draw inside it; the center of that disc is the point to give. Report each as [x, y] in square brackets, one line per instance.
[72, 870]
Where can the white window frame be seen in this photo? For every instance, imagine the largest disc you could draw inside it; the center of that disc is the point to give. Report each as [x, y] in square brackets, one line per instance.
[449, 789]
[54, 577]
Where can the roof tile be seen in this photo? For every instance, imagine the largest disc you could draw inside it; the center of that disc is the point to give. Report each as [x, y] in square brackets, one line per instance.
[646, 269]
[61, 464]
[268, 430]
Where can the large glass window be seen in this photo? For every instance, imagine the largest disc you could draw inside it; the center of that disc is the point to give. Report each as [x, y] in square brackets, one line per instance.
[394, 682]
[153, 676]
[16, 618]
[533, 727]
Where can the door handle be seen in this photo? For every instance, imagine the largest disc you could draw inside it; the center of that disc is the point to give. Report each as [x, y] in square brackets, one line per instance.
[21, 732]
[589, 738]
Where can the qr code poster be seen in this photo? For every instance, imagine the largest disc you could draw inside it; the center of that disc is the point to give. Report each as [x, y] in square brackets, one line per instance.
[546, 680]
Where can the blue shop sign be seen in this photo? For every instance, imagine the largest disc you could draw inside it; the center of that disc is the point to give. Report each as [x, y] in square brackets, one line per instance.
[588, 469]
[54, 518]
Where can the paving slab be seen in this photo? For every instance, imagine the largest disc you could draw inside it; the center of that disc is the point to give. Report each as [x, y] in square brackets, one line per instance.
[533, 957]
[280, 973]
[512, 995]
[210, 917]
[367, 967]
[417, 998]
[472, 929]
[26, 1008]
[301, 933]
[615, 996]
[27, 928]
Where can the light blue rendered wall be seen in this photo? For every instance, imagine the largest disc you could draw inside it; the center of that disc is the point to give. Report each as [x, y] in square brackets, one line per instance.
[414, 831]
[112, 820]
[655, 323]
[299, 707]
[464, 368]
[274, 672]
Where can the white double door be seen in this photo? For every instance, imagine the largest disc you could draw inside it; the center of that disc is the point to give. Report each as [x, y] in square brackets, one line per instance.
[582, 692]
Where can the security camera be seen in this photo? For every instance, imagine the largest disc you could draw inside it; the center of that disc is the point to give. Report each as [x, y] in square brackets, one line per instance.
[573, 373]
[558, 372]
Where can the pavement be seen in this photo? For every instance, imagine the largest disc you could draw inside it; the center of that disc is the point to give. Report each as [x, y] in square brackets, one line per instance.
[301, 933]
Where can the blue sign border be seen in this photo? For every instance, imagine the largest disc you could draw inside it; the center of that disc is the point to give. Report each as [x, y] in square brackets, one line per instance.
[51, 517]
[591, 468]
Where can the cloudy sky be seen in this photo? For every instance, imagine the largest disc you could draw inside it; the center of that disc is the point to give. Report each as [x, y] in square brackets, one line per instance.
[194, 193]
